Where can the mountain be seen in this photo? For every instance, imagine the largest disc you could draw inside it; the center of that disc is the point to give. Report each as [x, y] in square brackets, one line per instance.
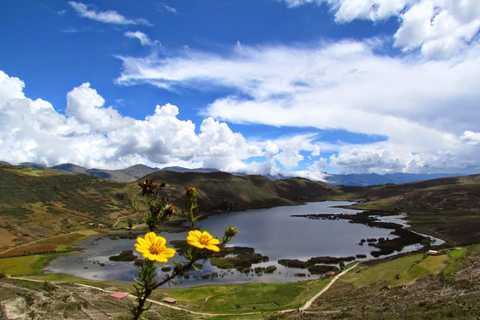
[68, 168]
[377, 179]
[221, 191]
[182, 169]
[123, 175]
[35, 203]
[32, 165]
[138, 171]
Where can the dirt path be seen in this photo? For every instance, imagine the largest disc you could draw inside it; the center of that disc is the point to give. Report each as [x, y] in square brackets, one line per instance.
[309, 303]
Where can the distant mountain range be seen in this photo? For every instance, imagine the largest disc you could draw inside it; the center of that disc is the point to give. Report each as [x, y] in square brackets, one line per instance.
[139, 171]
[372, 179]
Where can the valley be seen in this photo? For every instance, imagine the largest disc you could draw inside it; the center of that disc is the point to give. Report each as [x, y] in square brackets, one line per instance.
[43, 214]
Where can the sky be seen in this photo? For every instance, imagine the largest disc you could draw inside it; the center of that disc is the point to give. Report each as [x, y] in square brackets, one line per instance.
[293, 87]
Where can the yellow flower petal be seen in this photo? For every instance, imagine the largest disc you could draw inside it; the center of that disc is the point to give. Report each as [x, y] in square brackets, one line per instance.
[214, 241]
[150, 238]
[141, 242]
[168, 252]
[161, 241]
[203, 240]
[212, 248]
[195, 233]
[153, 248]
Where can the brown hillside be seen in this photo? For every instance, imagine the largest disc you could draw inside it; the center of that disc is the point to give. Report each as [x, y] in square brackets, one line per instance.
[220, 191]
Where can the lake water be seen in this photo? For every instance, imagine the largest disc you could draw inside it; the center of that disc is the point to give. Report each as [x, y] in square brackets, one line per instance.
[272, 232]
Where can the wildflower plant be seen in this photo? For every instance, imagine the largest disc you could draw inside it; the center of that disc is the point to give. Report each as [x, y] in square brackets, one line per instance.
[154, 248]
[191, 204]
[159, 209]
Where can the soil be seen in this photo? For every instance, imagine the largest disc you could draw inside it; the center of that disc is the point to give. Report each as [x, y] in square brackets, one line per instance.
[21, 299]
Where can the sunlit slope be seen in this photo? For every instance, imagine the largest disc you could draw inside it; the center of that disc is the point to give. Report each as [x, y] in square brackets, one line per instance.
[36, 203]
[448, 208]
[220, 191]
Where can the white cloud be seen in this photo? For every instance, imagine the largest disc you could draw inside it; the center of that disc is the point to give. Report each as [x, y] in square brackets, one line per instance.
[316, 151]
[86, 105]
[316, 171]
[10, 88]
[470, 137]
[440, 28]
[415, 27]
[142, 37]
[112, 17]
[343, 86]
[348, 10]
[93, 135]
[168, 8]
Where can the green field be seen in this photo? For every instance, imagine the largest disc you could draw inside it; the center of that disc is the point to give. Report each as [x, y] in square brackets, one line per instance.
[247, 298]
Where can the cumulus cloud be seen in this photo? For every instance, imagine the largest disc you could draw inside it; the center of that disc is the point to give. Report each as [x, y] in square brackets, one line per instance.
[348, 10]
[142, 37]
[93, 135]
[111, 17]
[86, 106]
[470, 137]
[440, 28]
[342, 86]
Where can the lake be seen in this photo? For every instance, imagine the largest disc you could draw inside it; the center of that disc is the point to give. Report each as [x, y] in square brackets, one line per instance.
[273, 232]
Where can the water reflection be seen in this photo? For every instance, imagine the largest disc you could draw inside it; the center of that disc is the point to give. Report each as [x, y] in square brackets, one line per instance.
[272, 232]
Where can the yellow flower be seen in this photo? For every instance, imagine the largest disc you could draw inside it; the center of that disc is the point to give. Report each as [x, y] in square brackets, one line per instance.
[203, 240]
[153, 248]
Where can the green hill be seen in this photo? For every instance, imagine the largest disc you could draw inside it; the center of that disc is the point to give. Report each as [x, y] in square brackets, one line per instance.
[448, 208]
[220, 191]
[38, 203]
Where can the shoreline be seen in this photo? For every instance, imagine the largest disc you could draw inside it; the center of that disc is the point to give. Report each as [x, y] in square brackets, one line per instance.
[175, 226]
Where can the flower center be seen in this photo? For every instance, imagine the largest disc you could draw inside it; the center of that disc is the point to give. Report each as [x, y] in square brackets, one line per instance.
[203, 240]
[155, 248]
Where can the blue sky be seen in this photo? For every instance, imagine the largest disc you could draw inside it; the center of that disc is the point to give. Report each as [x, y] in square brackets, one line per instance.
[298, 87]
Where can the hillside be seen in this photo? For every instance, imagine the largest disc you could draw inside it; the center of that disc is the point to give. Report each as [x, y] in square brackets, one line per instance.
[448, 208]
[138, 171]
[220, 191]
[124, 175]
[35, 203]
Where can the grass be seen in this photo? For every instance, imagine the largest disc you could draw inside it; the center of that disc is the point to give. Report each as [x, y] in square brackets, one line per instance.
[455, 262]
[18, 266]
[31, 171]
[397, 272]
[246, 298]
[58, 243]
[31, 265]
